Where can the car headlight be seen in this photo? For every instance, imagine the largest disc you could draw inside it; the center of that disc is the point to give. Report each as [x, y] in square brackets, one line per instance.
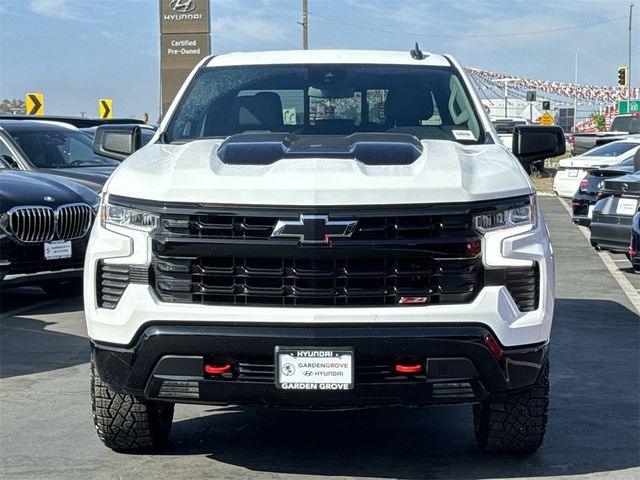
[513, 217]
[127, 217]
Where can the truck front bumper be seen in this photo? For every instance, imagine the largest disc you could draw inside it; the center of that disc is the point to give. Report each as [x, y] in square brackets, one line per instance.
[459, 364]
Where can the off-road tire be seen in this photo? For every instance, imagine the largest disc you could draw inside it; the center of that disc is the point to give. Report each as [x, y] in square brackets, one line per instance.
[63, 288]
[514, 422]
[127, 423]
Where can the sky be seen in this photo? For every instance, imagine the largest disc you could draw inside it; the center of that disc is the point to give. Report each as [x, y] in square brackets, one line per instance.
[77, 51]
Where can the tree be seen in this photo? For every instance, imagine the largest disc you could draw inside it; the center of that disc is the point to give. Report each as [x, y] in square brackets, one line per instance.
[599, 121]
[12, 106]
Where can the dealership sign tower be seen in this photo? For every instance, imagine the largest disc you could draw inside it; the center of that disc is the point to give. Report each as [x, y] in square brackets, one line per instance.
[184, 41]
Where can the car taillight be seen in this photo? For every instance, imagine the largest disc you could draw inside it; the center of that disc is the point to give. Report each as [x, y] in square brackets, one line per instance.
[583, 185]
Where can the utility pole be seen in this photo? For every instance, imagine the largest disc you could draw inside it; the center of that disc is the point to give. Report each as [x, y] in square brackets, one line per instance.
[305, 26]
[629, 65]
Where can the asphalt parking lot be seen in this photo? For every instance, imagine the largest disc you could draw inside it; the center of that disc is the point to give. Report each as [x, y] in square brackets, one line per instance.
[46, 431]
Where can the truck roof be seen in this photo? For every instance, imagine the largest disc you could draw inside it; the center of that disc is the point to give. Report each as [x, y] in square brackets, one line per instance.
[288, 57]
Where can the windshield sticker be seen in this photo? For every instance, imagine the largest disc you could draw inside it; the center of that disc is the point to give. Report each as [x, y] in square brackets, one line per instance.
[463, 135]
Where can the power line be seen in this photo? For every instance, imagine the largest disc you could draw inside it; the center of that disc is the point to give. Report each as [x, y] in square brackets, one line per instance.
[488, 35]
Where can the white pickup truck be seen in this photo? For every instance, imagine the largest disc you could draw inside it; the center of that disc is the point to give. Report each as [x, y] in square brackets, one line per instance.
[322, 230]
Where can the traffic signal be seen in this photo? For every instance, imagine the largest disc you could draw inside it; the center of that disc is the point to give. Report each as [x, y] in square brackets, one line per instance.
[546, 105]
[622, 77]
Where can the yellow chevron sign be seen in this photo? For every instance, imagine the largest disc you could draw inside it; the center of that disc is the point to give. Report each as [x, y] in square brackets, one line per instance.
[34, 104]
[104, 108]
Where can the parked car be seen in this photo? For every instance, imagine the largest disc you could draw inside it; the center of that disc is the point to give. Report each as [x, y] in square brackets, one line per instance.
[621, 127]
[634, 247]
[617, 203]
[55, 148]
[584, 200]
[381, 256]
[572, 171]
[44, 229]
[78, 122]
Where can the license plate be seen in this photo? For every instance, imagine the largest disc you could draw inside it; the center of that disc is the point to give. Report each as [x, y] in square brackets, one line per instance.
[314, 368]
[626, 206]
[590, 212]
[572, 172]
[56, 250]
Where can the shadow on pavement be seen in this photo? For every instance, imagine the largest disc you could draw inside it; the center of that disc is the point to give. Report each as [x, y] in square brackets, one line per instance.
[26, 347]
[593, 427]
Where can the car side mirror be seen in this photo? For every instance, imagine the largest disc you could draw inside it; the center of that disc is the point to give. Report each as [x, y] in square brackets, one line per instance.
[9, 162]
[537, 142]
[117, 141]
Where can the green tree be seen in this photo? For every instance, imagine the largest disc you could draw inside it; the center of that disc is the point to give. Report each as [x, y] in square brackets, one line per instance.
[599, 121]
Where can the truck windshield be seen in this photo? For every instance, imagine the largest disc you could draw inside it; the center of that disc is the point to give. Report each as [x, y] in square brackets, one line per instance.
[428, 102]
[627, 123]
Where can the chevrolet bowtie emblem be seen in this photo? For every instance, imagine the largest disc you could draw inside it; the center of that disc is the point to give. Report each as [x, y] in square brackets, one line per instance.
[314, 229]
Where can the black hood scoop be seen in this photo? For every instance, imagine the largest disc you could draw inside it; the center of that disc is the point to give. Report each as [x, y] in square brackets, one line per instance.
[368, 148]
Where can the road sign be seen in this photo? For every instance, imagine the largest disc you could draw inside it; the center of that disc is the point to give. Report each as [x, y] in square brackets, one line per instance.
[35, 104]
[622, 106]
[546, 119]
[104, 108]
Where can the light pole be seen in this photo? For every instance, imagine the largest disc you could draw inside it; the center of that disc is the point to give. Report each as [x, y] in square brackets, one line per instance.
[629, 65]
[575, 95]
[506, 92]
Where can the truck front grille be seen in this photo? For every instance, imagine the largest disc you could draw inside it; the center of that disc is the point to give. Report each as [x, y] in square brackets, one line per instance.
[351, 281]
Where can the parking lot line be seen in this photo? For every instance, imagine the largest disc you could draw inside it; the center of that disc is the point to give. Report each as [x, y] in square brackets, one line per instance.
[629, 290]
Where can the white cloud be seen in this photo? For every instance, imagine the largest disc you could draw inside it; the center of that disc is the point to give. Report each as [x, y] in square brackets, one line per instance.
[60, 9]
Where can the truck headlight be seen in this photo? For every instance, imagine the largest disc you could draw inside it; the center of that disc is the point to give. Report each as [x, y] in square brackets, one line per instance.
[513, 217]
[133, 218]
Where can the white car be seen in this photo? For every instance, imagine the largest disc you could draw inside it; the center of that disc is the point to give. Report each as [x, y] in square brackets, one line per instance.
[280, 243]
[572, 171]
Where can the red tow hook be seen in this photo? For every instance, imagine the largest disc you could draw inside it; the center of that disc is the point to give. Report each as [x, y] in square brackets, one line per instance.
[408, 368]
[217, 370]
[408, 364]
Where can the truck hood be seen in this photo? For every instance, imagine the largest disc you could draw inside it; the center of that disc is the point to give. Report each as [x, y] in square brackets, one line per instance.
[445, 172]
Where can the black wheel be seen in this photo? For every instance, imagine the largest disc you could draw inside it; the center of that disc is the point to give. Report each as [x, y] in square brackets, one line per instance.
[126, 423]
[514, 422]
[63, 288]
[636, 268]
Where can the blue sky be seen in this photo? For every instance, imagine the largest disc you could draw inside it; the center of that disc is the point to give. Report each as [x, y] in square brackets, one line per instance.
[77, 51]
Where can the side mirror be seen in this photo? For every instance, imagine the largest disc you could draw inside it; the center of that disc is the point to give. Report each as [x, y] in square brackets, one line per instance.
[537, 142]
[9, 162]
[117, 141]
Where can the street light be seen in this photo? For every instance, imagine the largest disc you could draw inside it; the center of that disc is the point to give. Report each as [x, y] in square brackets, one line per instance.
[506, 91]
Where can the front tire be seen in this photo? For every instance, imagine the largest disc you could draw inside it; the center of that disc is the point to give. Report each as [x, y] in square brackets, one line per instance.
[126, 423]
[514, 422]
